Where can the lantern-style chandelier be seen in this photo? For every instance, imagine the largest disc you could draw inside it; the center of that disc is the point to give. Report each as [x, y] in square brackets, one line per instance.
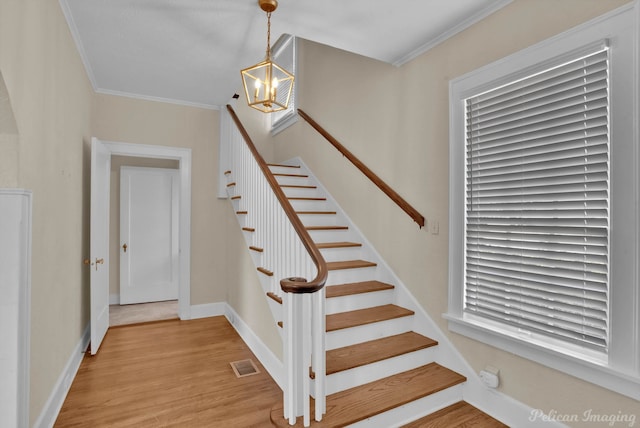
[268, 86]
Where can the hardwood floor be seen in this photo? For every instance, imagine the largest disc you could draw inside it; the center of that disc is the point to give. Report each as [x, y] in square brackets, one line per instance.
[169, 374]
[142, 312]
[460, 414]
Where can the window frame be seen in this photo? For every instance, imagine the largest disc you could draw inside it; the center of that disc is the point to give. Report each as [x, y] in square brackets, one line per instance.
[283, 119]
[620, 371]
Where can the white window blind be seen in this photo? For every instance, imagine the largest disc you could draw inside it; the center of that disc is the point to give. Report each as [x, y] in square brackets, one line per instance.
[537, 203]
[285, 56]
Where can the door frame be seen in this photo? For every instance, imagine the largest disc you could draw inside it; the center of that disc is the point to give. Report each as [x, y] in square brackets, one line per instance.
[183, 156]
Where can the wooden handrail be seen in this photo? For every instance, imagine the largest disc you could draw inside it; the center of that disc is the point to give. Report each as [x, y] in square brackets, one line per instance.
[395, 197]
[288, 285]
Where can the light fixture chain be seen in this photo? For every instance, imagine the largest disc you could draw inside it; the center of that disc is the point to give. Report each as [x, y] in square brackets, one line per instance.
[268, 35]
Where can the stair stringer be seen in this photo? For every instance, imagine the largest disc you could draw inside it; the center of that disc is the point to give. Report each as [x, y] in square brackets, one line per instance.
[473, 390]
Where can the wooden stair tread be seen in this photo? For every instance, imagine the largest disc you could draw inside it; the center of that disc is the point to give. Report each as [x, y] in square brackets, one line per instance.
[274, 296]
[362, 402]
[349, 264]
[283, 166]
[356, 288]
[299, 186]
[372, 351]
[249, 229]
[315, 212]
[300, 198]
[460, 414]
[327, 227]
[365, 316]
[343, 244]
[265, 271]
[279, 174]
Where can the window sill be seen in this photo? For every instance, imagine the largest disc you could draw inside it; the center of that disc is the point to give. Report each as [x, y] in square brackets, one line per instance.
[594, 371]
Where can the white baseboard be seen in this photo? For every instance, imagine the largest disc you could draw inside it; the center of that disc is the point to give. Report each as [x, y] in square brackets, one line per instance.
[507, 409]
[114, 299]
[208, 310]
[270, 362]
[53, 405]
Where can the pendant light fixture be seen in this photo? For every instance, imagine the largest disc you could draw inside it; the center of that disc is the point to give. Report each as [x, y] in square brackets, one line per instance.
[268, 86]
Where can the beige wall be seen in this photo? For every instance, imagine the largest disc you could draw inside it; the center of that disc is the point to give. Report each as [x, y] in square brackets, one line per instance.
[400, 133]
[396, 120]
[9, 141]
[137, 121]
[51, 99]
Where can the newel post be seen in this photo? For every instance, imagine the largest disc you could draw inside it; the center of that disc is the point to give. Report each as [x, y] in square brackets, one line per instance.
[304, 346]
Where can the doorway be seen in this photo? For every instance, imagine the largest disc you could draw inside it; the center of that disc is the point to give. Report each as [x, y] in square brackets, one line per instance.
[101, 253]
[143, 282]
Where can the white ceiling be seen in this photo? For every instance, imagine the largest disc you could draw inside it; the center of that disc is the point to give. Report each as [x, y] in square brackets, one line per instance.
[191, 51]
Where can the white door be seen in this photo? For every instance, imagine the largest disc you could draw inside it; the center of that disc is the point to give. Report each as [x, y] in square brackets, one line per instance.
[149, 258]
[99, 246]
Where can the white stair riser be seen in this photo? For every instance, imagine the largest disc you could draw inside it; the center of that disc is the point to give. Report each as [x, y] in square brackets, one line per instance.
[305, 205]
[353, 302]
[371, 372]
[343, 276]
[300, 192]
[345, 253]
[285, 170]
[413, 410]
[363, 333]
[318, 219]
[296, 181]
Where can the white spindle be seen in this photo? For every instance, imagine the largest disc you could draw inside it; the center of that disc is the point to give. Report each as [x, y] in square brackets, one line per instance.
[285, 255]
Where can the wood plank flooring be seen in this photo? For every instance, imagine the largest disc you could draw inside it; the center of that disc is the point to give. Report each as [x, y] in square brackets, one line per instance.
[169, 374]
[460, 414]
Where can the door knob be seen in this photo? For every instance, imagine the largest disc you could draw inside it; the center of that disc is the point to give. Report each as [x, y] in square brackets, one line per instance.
[98, 262]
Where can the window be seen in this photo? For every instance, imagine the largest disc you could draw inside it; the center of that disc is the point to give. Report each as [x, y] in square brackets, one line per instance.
[284, 54]
[544, 204]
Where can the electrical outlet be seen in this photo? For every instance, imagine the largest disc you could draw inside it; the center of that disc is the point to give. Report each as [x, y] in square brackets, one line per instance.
[489, 376]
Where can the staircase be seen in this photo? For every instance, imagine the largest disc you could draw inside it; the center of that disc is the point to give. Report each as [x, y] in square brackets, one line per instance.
[382, 370]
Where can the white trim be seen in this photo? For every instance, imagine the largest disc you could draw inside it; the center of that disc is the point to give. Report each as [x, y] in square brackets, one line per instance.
[267, 358]
[451, 32]
[157, 99]
[183, 155]
[18, 267]
[75, 34]
[225, 124]
[603, 376]
[506, 409]
[285, 121]
[207, 310]
[114, 299]
[623, 372]
[290, 116]
[50, 411]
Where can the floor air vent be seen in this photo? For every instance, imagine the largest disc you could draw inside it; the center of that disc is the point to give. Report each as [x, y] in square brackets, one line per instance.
[244, 368]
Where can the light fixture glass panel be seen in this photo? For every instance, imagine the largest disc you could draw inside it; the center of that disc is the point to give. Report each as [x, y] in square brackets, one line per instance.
[267, 86]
